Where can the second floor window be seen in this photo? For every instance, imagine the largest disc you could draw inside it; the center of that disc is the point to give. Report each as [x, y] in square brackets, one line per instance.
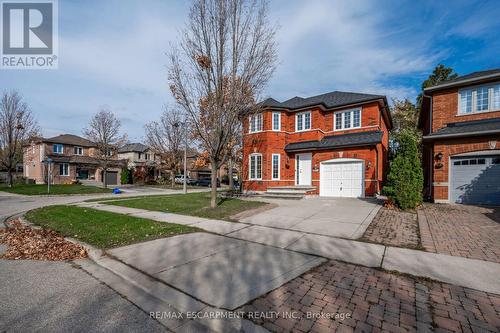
[58, 148]
[480, 99]
[146, 156]
[348, 119]
[255, 123]
[78, 151]
[276, 121]
[303, 121]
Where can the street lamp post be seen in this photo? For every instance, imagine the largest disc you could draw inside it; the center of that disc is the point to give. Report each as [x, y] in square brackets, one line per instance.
[184, 188]
[48, 161]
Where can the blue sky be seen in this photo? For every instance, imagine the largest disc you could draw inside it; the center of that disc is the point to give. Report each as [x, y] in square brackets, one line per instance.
[112, 53]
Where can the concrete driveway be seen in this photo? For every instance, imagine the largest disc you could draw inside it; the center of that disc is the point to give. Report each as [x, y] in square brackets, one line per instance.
[337, 217]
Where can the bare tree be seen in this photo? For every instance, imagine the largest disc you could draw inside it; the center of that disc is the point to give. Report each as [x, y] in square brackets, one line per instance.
[166, 138]
[17, 126]
[226, 55]
[104, 131]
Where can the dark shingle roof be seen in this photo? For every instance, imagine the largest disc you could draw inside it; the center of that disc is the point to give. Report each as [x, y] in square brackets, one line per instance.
[475, 127]
[133, 147]
[328, 100]
[466, 79]
[338, 141]
[70, 139]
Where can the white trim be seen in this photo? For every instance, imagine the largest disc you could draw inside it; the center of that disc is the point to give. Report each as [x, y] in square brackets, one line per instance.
[77, 148]
[342, 112]
[315, 129]
[250, 167]
[473, 90]
[251, 120]
[63, 175]
[345, 160]
[297, 167]
[303, 121]
[272, 166]
[279, 121]
[58, 144]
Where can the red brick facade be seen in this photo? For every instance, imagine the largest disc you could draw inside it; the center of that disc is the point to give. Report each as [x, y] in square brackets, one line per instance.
[268, 142]
[441, 111]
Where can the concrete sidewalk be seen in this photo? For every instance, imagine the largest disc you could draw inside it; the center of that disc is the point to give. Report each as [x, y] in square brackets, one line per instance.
[471, 273]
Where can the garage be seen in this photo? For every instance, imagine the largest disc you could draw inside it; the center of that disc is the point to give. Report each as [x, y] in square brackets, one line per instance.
[111, 178]
[342, 177]
[475, 179]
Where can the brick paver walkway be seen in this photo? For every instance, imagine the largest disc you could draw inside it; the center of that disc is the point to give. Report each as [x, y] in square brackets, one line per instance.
[372, 300]
[393, 227]
[465, 231]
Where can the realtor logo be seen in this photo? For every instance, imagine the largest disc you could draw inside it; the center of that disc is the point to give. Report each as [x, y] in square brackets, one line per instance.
[29, 34]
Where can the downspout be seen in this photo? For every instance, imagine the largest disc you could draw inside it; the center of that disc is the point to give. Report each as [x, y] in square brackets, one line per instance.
[376, 169]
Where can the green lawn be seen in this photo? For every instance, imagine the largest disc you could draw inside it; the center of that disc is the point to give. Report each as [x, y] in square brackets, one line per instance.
[196, 204]
[41, 189]
[102, 229]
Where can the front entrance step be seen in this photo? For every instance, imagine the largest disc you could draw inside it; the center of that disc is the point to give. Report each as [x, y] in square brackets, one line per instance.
[288, 192]
[153, 296]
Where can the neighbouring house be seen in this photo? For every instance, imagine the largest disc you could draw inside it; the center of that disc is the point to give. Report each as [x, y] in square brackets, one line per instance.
[460, 120]
[73, 159]
[334, 144]
[142, 160]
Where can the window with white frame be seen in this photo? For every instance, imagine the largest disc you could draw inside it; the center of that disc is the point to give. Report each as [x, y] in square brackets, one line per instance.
[58, 148]
[276, 121]
[275, 167]
[303, 121]
[78, 151]
[255, 123]
[64, 169]
[347, 119]
[479, 99]
[255, 168]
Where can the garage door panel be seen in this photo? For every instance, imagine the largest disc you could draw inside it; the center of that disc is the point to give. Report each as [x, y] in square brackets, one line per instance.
[341, 179]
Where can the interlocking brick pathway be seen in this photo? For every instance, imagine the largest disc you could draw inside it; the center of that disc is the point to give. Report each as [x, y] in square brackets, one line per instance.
[465, 231]
[393, 227]
[374, 301]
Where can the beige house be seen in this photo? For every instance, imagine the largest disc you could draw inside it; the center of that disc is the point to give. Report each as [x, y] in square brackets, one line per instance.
[73, 159]
[141, 157]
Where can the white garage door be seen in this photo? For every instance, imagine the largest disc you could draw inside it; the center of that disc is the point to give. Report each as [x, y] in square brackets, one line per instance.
[475, 180]
[341, 178]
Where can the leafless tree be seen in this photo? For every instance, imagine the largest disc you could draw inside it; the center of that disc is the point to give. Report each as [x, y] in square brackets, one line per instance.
[17, 126]
[104, 131]
[166, 138]
[226, 55]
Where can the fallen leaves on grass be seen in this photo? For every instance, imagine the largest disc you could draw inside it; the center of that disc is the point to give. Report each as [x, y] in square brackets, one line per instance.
[39, 244]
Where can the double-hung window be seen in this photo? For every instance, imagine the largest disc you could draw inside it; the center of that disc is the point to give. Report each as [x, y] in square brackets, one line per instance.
[58, 148]
[78, 151]
[276, 121]
[479, 99]
[347, 119]
[303, 121]
[255, 168]
[64, 169]
[255, 123]
[275, 167]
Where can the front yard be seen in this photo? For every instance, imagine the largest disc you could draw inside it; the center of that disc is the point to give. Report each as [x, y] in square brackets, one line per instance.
[195, 204]
[41, 189]
[102, 229]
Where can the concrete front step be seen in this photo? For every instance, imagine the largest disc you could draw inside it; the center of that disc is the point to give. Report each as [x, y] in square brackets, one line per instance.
[296, 192]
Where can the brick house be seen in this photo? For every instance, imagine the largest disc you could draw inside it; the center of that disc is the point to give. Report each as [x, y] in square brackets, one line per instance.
[460, 120]
[74, 159]
[334, 144]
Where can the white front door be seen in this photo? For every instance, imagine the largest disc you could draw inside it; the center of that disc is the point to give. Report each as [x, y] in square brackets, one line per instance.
[303, 169]
[341, 178]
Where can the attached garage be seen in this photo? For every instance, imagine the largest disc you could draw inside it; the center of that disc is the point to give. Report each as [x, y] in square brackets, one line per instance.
[342, 177]
[111, 178]
[475, 179]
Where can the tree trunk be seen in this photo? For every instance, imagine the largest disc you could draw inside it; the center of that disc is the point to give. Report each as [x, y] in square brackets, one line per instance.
[172, 178]
[213, 193]
[11, 180]
[104, 180]
[230, 173]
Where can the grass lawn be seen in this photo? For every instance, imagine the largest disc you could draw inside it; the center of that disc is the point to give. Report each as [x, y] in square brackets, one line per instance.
[196, 204]
[41, 189]
[102, 229]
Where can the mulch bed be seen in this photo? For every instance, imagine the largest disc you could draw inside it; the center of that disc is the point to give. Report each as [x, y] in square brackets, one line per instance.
[25, 242]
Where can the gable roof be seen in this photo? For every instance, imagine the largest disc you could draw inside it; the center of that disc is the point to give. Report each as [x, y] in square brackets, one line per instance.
[467, 128]
[133, 147]
[329, 100]
[469, 79]
[70, 139]
[338, 141]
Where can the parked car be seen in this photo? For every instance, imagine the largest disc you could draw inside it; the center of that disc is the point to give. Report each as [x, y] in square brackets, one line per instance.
[206, 182]
[179, 179]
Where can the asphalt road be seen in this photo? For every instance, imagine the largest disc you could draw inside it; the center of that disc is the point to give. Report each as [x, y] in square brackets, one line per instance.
[38, 296]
